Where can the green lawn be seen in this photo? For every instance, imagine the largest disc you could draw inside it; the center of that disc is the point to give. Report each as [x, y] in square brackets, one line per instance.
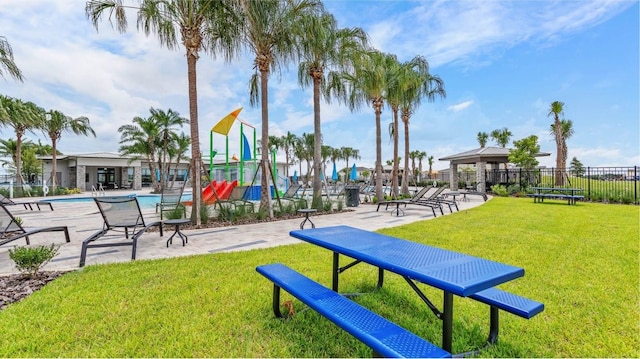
[581, 261]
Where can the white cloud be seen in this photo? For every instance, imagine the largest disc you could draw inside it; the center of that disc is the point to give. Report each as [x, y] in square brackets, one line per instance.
[461, 106]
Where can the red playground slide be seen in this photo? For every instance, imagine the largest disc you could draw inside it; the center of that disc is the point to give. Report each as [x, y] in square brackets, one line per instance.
[222, 189]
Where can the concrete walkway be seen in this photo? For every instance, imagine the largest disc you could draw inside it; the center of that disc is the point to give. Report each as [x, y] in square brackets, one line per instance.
[83, 219]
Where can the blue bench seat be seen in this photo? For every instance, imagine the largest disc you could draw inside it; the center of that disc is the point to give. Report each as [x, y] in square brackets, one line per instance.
[509, 302]
[387, 339]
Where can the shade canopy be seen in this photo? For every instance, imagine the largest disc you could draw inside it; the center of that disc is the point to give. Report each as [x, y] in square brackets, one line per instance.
[354, 173]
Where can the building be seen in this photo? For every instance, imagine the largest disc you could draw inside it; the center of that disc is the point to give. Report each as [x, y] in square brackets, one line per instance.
[111, 170]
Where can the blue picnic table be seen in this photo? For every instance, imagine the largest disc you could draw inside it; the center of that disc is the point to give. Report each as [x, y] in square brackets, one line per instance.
[452, 272]
[568, 193]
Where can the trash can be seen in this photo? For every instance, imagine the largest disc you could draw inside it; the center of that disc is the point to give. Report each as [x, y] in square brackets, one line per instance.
[352, 195]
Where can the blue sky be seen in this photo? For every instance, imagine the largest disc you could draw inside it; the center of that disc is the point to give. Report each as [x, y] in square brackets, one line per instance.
[502, 63]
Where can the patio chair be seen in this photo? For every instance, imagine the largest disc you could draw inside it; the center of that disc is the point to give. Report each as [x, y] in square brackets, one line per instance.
[170, 200]
[239, 198]
[11, 230]
[439, 197]
[27, 205]
[418, 199]
[292, 195]
[119, 214]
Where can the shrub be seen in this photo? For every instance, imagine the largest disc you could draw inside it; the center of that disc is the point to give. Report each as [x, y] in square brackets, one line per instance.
[204, 213]
[176, 213]
[340, 206]
[261, 214]
[499, 190]
[226, 213]
[29, 260]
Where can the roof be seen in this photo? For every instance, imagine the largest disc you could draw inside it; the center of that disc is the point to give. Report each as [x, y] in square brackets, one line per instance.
[484, 154]
[88, 155]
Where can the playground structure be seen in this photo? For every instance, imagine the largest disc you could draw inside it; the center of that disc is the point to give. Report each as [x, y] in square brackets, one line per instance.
[234, 170]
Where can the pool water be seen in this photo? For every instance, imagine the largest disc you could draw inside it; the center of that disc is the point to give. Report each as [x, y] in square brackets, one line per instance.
[145, 200]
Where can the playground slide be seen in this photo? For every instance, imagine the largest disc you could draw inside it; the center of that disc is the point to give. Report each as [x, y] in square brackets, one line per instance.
[222, 189]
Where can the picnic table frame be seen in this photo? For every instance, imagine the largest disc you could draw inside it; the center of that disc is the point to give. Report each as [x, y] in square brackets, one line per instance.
[568, 193]
[452, 272]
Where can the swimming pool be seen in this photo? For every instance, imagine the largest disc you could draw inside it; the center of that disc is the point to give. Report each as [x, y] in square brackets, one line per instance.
[145, 200]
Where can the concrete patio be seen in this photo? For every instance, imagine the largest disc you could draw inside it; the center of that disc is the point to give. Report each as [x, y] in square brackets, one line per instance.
[83, 219]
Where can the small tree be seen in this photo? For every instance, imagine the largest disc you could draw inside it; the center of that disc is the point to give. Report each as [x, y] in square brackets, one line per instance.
[524, 154]
[29, 260]
[577, 168]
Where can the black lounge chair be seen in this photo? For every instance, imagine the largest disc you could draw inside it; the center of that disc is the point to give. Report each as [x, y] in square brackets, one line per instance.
[440, 198]
[471, 190]
[239, 197]
[118, 213]
[292, 195]
[27, 205]
[11, 230]
[418, 199]
[171, 200]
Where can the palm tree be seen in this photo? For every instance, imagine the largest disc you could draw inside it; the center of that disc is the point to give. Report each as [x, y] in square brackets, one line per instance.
[368, 84]
[166, 122]
[179, 145]
[347, 153]
[287, 142]
[323, 47]
[203, 25]
[556, 109]
[269, 31]
[22, 116]
[6, 61]
[141, 140]
[9, 149]
[299, 152]
[417, 83]
[566, 129]
[394, 97]
[413, 155]
[482, 139]
[421, 155]
[308, 143]
[502, 136]
[430, 161]
[53, 126]
[327, 151]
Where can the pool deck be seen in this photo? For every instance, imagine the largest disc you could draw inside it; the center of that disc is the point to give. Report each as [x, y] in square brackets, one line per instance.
[83, 219]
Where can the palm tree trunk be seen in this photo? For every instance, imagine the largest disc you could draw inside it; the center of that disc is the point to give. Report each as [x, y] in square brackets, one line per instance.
[19, 160]
[558, 138]
[317, 146]
[377, 106]
[265, 193]
[405, 176]
[196, 159]
[54, 165]
[396, 165]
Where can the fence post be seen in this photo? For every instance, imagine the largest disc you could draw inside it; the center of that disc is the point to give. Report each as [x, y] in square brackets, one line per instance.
[635, 184]
[589, 183]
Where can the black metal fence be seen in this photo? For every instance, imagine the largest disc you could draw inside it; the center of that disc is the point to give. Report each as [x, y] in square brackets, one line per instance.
[600, 184]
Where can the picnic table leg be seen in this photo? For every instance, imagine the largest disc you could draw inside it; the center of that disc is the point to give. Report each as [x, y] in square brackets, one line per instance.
[336, 271]
[380, 277]
[276, 301]
[447, 321]
[495, 325]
